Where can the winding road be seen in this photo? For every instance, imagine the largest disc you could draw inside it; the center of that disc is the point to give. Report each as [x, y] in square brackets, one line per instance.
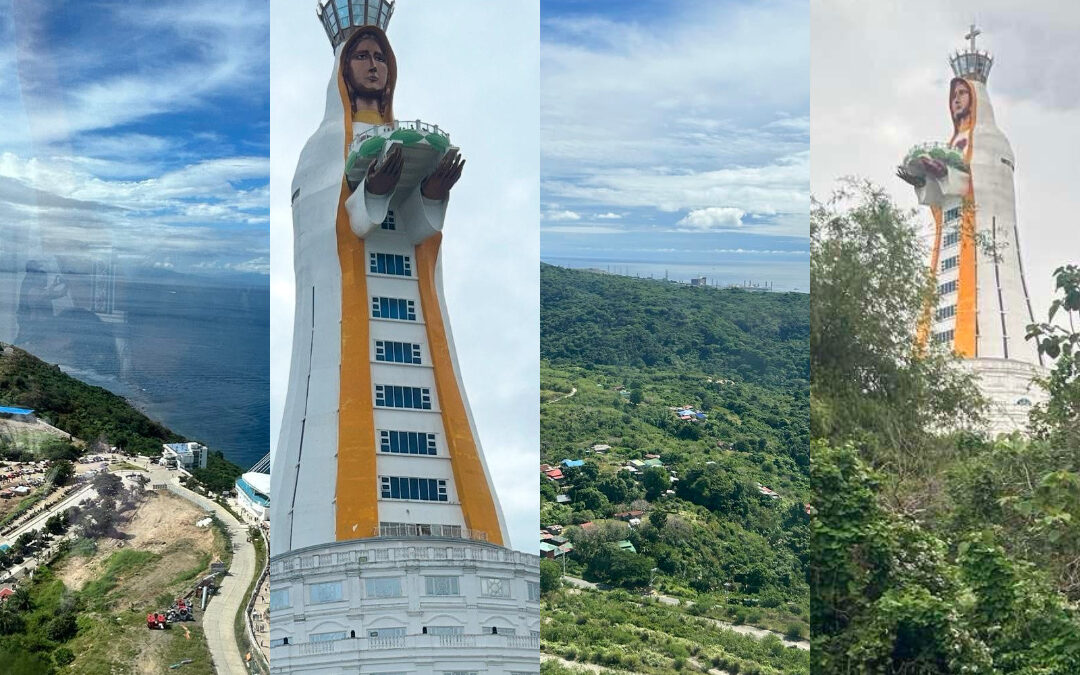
[221, 611]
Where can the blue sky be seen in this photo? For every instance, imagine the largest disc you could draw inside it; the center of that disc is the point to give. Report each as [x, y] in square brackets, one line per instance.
[684, 122]
[141, 128]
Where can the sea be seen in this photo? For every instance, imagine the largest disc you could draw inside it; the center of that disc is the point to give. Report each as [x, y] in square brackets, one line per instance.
[776, 263]
[192, 352]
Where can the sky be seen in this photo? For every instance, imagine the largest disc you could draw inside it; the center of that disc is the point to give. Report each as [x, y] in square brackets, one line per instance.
[675, 125]
[881, 76]
[140, 129]
[472, 68]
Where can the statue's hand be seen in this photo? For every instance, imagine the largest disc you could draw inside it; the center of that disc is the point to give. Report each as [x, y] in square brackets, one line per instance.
[910, 178]
[934, 167]
[383, 175]
[437, 185]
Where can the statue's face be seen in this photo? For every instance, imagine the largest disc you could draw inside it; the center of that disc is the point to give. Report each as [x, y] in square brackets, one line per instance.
[367, 69]
[960, 103]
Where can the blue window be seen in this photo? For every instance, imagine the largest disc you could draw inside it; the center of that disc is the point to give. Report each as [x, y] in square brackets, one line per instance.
[407, 442]
[397, 352]
[393, 396]
[945, 313]
[330, 591]
[418, 489]
[391, 263]
[951, 239]
[389, 223]
[952, 214]
[944, 336]
[949, 263]
[947, 287]
[393, 308]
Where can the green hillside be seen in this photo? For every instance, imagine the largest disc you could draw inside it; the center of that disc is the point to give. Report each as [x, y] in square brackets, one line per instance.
[603, 319]
[722, 536]
[82, 410]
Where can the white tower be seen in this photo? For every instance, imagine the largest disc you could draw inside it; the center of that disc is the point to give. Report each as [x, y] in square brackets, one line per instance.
[387, 543]
[983, 307]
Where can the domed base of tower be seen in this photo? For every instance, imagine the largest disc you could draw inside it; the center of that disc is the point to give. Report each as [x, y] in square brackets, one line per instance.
[1009, 387]
[405, 605]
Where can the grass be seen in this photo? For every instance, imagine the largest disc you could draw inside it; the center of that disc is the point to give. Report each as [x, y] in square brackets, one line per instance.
[120, 565]
[25, 505]
[126, 466]
[618, 631]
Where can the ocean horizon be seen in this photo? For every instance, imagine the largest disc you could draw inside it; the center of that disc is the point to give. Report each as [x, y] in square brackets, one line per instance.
[189, 351]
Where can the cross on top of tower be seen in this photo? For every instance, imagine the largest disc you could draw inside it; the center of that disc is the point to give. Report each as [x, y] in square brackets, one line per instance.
[970, 63]
[975, 32]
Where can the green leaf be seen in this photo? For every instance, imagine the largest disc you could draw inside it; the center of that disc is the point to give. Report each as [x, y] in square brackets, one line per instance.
[407, 136]
[371, 147]
[437, 141]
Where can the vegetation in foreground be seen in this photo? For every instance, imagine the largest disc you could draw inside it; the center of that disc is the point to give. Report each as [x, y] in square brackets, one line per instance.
[934, 552]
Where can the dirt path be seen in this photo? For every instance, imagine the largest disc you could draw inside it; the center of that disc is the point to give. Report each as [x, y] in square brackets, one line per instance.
[573, 390]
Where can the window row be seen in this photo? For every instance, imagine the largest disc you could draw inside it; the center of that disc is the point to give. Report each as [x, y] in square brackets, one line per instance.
[417, 489]
[393, 308]
[390, 587]
[944, 336]
[946, 312]
[952, 214]
[947, 287]
[950, 239]
[419, 530]
[393, 396]
[390, 263]
[407, 442]
[397, 352]
[950, 263]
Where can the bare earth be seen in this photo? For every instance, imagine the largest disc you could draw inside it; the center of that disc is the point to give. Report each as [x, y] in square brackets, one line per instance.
[163, 524]
[158, 524]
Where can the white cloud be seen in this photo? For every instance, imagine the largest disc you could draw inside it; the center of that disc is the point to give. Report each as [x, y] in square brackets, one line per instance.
[558, 216]
[631, 119]
[713, 218]
[609, 216]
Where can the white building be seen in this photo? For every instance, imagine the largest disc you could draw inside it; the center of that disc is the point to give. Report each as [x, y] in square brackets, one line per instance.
[983, 308]
[186, 455]
[387, 541]
[253, 490]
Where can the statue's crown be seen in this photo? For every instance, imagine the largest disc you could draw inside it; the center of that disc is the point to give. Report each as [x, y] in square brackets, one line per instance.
[341, 18]
[971, 63]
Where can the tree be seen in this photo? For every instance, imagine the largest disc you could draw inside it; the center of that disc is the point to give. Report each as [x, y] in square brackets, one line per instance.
[62, 471]
[57, 523]
[62, 627]
[590, 498]
[107, 484]
[19, 599]
[618, 487]
[1058, 420]
[636, 396]
[56, 449]
[10, 621]
[870, 289]
[550, 576]
[656, 481]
